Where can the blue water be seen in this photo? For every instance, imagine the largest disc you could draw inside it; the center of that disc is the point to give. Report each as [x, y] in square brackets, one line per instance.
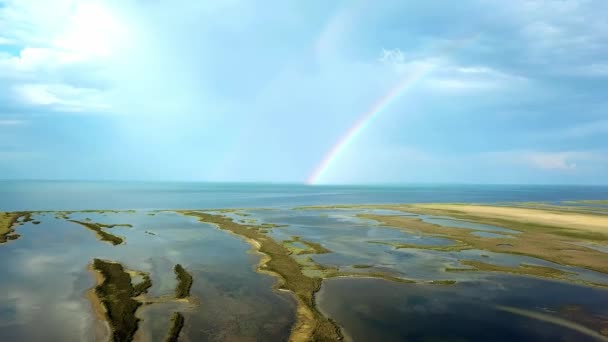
[64, 195]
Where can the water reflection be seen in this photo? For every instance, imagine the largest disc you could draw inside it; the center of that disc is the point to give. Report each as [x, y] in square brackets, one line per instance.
[379, 310]
[45, 278]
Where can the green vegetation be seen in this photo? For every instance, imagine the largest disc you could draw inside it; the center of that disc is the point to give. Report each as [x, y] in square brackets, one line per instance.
[177, 324]
[523, 269]
[8, 222]
[380, 275]
[521, 224]
[311, 325]
[361, 266]
[272, 225]
[144, 285]
[448, 248]
[602, 202]
[121, 298]
[443, 282]
[116, 293]
[311, 247]
[184, 282]
[104, 225]
[534, 241]
[26, 216]
[592, 207]
[103, 235]
[62, 215]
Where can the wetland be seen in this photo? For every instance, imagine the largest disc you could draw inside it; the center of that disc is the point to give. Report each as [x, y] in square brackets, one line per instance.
[317, 273]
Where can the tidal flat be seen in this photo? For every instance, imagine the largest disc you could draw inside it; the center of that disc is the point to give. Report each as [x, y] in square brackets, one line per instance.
[348, 272]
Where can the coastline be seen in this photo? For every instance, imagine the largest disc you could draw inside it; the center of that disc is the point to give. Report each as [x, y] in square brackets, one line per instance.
[103, 331]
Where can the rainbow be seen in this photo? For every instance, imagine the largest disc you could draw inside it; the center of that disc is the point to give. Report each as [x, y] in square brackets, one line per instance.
[365, 120]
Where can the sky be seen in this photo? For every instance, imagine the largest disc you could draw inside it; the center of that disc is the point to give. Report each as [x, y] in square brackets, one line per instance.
[473, 91]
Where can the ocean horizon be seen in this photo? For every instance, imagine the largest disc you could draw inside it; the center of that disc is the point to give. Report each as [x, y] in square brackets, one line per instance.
[80, 195]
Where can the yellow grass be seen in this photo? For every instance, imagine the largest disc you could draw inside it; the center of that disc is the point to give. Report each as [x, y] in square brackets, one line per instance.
[588, 222]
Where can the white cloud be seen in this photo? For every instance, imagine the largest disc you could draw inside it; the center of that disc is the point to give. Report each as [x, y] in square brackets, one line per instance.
[6, 41]
[394, 57]
[440, 73]
[559, 36]
[11, 122]
[63, 97]
[368, 162]
[552, 161]
[66, 52]
[38, 263]
[549, 161]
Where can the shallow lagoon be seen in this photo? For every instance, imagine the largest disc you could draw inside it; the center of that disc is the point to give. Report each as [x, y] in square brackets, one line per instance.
[357, 241]
[46, 279]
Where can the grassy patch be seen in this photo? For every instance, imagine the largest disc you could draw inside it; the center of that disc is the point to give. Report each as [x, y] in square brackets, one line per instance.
[104, 225]
[177, 324]
[602, 202]
[8, 222]
[144, 285]
[103, 235]
[523, 269]
[184, 282]
[361, 266]
[311, 247]
[539, 242]
[379, 275]
[116, 293]
[311, 325]
[443, 282]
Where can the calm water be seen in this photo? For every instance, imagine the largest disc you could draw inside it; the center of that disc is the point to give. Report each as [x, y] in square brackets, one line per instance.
[379, 310]
[44, 195]
[355, 241]
[45, 278]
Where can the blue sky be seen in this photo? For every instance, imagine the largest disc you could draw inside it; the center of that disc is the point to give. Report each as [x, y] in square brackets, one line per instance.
[260, 91]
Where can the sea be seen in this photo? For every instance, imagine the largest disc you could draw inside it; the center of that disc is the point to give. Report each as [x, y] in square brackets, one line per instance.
[82, 195]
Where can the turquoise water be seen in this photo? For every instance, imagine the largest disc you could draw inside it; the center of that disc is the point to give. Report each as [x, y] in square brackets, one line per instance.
[60, 195]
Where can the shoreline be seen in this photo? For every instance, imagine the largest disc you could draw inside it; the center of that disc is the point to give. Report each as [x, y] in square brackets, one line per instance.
[278, 260]
[103, 330]
[310, 324]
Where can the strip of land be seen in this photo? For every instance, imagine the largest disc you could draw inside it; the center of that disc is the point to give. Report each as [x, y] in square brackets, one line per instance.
[310, 247]
[177, 324]
[310, 325]
[121, 299]
[523, 269]
[117, 293]
[184, 282]
[102, 234]
[583, 222]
